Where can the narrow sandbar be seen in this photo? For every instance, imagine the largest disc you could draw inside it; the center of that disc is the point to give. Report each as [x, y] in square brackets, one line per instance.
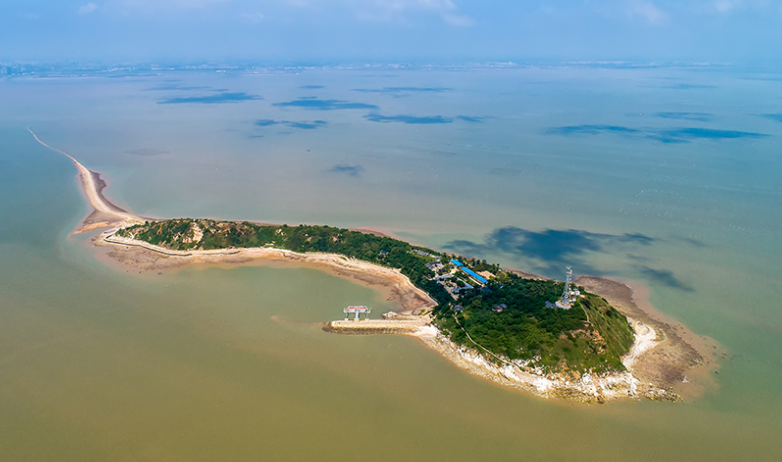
[104, 214]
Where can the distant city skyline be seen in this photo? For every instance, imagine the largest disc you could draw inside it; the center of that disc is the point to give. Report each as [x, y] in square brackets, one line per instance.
[721, 31]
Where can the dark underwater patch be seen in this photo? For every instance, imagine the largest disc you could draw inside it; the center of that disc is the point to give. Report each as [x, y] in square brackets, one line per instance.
[472, 119]
[694, 133]
[176, 86]
[694, 116]
[690, 86]
[589, 129]
[347, 169]
[670, 135]
[223, 97]
[553, 248]
[303, 125]
[267, 122]
[313, 103]
[776, 117]
[664, 277]
[408, 119]
[308, 125]
[397, 90]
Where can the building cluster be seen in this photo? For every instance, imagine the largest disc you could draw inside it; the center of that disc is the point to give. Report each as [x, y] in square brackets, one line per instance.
[457, 277]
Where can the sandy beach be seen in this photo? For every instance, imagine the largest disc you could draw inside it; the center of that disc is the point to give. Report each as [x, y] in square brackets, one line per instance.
[667, 361]
[148, 257]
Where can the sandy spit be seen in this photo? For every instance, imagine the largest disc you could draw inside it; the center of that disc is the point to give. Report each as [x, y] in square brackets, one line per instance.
[105, 214]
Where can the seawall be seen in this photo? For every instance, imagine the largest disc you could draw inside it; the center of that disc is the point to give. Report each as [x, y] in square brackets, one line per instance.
[373, 327]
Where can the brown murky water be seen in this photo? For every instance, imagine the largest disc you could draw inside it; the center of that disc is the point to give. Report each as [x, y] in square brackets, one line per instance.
[231, 364]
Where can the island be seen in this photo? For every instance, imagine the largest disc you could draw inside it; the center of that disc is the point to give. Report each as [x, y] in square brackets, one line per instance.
[520, 330]
[590, 340]
[474, 303]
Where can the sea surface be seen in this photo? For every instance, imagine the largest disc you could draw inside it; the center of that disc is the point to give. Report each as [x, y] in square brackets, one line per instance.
[666, 176]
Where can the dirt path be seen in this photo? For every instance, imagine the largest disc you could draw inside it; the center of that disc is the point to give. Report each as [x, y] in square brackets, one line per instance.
[644, 341]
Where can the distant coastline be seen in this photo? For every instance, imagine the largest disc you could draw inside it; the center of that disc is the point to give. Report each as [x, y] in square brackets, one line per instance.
[666, 361]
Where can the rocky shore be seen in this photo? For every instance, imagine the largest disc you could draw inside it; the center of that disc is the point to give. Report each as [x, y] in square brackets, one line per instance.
[667, 362]
[587, 388]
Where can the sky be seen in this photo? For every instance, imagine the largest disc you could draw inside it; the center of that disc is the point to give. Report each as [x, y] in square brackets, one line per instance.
[301, 31]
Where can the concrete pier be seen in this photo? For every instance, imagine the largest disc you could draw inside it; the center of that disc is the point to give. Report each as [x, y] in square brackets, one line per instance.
[374, 326]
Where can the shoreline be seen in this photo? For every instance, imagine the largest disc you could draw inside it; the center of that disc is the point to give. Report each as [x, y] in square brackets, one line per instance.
[647, 376]
[666, 362]
[681, 361]
[145, 256]
[663, 351]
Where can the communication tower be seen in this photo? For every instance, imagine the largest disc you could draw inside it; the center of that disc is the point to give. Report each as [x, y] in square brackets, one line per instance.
[568, 294]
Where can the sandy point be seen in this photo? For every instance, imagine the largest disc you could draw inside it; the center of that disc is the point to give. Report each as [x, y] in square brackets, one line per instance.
[665, 352]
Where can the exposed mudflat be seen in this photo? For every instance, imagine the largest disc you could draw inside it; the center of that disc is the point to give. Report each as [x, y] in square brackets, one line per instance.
[146, 257]
[681, 361]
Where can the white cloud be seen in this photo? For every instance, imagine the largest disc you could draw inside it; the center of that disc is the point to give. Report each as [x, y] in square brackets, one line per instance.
[393, 10]
[724, 6]
[253, 17]
[646, 10]
[459, 20]
[301, 3]
[88, 8]
[728, 6]
[167, 4]
[446, 9]
[371, 10]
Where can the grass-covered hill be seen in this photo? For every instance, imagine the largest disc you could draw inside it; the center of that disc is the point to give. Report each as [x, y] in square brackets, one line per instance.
[590, 336]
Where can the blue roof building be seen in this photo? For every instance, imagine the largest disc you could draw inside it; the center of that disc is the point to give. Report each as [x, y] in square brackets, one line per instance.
[474, 275]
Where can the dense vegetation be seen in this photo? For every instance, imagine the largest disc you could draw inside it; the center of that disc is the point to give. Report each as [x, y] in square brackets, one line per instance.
[526, 329]
[178, 234]
[590, 336]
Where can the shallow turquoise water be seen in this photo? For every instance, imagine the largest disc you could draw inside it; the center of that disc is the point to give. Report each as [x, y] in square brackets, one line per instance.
[97, 363]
